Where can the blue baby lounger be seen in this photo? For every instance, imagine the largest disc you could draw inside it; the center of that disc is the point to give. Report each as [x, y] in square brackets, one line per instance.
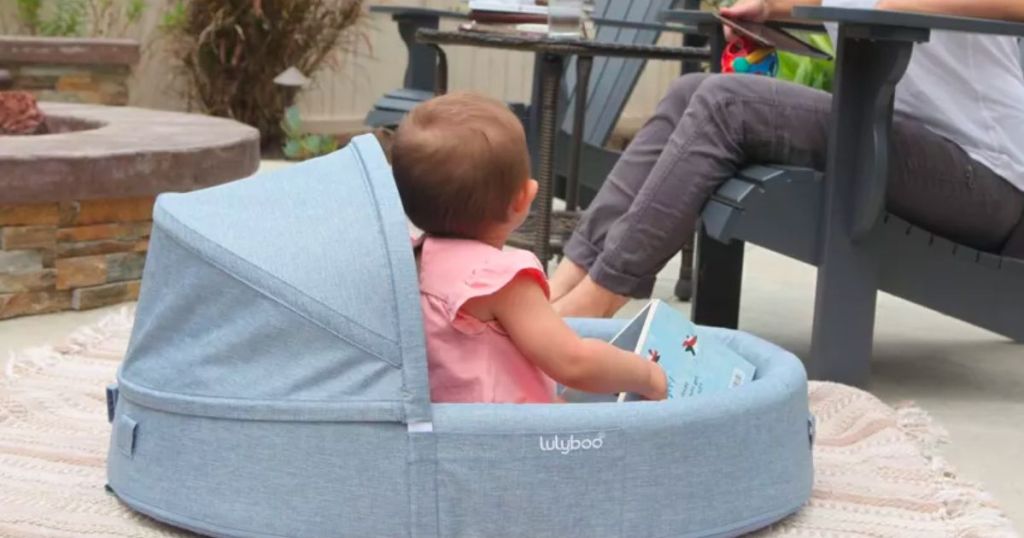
[276, 385]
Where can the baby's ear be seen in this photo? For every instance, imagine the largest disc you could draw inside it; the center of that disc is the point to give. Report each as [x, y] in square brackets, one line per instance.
[526, 196]
[532, 187]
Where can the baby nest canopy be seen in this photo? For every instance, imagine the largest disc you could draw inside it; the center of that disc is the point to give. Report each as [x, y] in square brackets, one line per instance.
[290, 293]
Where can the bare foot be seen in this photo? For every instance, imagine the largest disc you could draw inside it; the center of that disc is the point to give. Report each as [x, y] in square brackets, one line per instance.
[565, 278]
[589, 300]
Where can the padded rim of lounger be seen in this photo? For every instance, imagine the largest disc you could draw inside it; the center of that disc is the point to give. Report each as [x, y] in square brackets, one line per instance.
[191, 472]
[200, 224]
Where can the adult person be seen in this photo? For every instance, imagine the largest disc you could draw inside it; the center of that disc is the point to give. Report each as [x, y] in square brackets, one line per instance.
[957, 167]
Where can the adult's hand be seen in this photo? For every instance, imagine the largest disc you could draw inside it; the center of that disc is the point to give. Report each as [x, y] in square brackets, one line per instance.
[748, 10]
[745, 10]
[763, 10]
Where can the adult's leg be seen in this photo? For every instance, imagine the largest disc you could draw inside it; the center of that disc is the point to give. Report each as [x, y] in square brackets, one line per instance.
[935, 184]
[623, 183]
[1014, 248]
[732, 120]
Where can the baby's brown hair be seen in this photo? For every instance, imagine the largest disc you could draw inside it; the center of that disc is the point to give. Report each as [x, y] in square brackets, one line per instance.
[459, 160]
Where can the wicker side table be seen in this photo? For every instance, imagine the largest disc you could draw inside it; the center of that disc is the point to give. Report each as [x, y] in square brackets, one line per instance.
[546, 230]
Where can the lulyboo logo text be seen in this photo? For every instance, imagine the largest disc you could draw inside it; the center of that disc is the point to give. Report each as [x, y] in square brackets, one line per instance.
[571, 444]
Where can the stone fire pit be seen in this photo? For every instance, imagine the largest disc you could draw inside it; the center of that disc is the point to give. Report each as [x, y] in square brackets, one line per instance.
[76, 204]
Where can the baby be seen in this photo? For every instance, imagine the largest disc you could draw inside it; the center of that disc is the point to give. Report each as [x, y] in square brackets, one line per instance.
[462, 169]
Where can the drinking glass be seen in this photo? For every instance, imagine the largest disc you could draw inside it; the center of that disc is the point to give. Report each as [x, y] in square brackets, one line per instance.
[565, 18]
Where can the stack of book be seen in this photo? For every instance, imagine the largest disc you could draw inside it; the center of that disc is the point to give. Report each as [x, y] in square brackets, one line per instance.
[507, 12]
[516, 17]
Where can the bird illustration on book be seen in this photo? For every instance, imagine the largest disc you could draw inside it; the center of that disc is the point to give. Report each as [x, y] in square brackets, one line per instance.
[653, 355]
[690, 344]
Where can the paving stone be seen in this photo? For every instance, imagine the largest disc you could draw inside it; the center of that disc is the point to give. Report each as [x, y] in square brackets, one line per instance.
[28, 237]
[75, 82]
[70, 97]
[127, 266]
[117, 210]
[22, 282]
[89, 248]
[36, 302]
[80, 272]
[29, 79]
[128, 230]
[20, 261]
[20, 215]
[107, 294]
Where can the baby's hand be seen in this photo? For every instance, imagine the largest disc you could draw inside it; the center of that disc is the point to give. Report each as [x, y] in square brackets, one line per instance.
[659, 383]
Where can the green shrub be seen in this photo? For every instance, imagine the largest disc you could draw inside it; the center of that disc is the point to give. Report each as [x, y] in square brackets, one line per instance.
[73, 18]
[808, 71]
[299, 146]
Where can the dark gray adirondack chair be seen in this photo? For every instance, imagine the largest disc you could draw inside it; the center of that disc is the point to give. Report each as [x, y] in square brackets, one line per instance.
[420, 81]
[837, 220]
[612, 80]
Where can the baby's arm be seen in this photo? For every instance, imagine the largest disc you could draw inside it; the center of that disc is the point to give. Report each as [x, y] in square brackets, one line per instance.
[583, 364]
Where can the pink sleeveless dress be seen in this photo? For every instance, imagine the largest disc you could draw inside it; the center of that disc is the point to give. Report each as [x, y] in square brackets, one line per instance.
[470, 360]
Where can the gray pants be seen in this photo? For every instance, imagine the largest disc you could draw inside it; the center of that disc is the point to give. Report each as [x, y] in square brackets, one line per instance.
[708, 126]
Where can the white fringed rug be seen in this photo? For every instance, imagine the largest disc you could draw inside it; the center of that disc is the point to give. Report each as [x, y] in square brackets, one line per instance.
[877, 469]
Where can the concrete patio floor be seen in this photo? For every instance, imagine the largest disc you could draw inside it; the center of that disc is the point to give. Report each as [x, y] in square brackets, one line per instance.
[970, 380]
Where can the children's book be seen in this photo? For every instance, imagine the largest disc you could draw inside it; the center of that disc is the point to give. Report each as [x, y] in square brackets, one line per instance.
[694, 362]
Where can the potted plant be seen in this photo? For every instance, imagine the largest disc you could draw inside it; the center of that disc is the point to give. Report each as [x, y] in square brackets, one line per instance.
[229, 53]
[71, 50]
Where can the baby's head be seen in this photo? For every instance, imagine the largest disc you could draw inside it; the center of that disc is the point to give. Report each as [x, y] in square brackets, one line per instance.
[462, 167]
